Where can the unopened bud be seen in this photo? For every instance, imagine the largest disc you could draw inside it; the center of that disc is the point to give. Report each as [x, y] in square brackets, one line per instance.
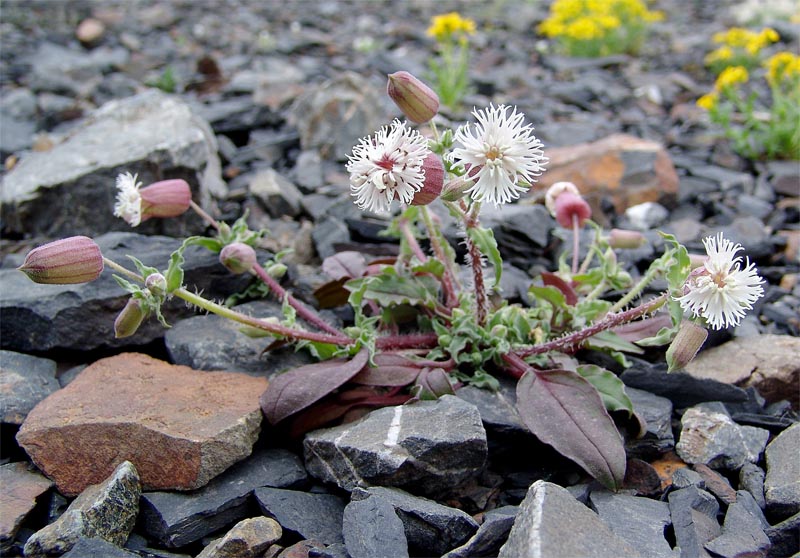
[457, 188]
[620, 238]
[64, 262]
[238, 257]
[684, 347]
[168, 198]
[434, 180]
[571, 209]
[129, 320]
[156, 284]
[417, 101]
[277, 270]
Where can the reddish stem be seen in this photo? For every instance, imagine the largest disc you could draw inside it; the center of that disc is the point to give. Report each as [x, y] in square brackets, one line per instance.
[576, 243]
[410, 341]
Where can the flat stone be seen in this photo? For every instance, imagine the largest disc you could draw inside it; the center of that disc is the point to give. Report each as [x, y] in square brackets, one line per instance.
[767, 362]
[277, 194]
[490, 536]
[744, 498]
[24, 381]
[372, 529]
[107, 511]
[657, 414]
[741, 537]
[180, 427]
[249, 538]
[681, 388]
[551, 522]
[751, 479]
[694, 520]
[716, 483]
[69, 188]
[179, 518]
[97, 548]
[428, 447]
[497, 408]
[785, 537]
[782, 483]
[309, 515]
[19, 489]
[639, 521]
[430, 527]
[685, 477]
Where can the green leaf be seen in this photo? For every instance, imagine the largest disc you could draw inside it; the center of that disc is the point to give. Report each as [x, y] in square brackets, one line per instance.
[564, 410]
[432, 266]
[175, 271]
[549, 294]
[127, 285]
[679, 267]
[144, 270]
[611, 341]
[389, 288]
[609, 386]
[486, 243]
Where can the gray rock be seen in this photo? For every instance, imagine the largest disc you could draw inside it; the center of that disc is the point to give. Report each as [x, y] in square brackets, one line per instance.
[694, 520]
[685, 477]
[709, 436]
[646, 216]
[63, 70]
[497, 408]
[278, 195]
[657, 414]
[751, 479]
[431, 528]
[427, 447]
[551, 522]
[785, 537]
[97, 548]
[247, 539]
[176, 518]
[20, 489]
[371, 529]
[784, 176]
[70, 188]
[521, 231]
[782, 483]
[747, 204]
[311, 516]
[327, 234]
[746, 500]
[639, 521]
[490, 536]
[107, 510]
[15, 135]
[81, 317]
[679, 387]
[741, 537]
[725, 179]
[308, 173]
[236, 114]
[24, 381]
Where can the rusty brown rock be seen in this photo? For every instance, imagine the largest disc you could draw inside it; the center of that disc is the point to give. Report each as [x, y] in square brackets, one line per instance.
[627, 169]
[178, 426]
[19, 489]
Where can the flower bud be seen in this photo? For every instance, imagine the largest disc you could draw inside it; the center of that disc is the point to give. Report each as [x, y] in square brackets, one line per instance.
[277, 270]
[457, 188]
[168, 198]
[156, 284]
[63, 262]
[238, 257]
[129, 319]
[684, 347]
[417, 101]
[565, 203]
[620, 238]
[434, 180]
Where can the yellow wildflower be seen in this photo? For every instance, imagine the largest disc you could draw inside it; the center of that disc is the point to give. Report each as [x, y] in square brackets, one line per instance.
[446, 25]
[782, 67]
[731, 76]
[584, 29]
[722, 54]
[708, 101]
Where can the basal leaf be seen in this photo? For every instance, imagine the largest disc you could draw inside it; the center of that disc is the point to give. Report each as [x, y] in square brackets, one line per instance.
[553, 280]
[549, 294]
[332, 294]
[345, 265]
[611, 341]
[565, 411]
[486, 243]
[609, 386]
[296, 389]
[389, 288]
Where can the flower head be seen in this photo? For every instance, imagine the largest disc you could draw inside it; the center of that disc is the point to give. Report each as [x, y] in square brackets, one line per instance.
[68, 261]
[498, 153]
[387, 166]
[721, 290]
[444, 26]
[129, 200]
[731, 76]
[167, 198]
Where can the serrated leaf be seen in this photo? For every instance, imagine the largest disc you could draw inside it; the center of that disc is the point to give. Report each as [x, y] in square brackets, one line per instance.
[565, 411]
[486, 243]
[389, 288]
[679, 267]
[609, 386]
[300, 387]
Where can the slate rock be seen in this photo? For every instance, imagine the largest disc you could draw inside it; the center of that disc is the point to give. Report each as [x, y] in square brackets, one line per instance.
[69, 189]
[694, 520]
[490, 536]
[97, 548]
[785, 537]
[709, 436]
[745, 499]
[741, 537]
[309, 515]
[107, 511]
[715, 483]
[179, 518]
[329, 233]
[751, 479]
[519, 223]
[247, 539]
[430, 527]
[782, 483]
[24, 381]
[679, 387]
[371, 529]
[639, 521]
[19, 490]
[685, 477]
[427, 447]
[550, 522]
[66, 70]
[180, 427]
[276, 193]
[657, 414]
[81, 317]
[497, 408]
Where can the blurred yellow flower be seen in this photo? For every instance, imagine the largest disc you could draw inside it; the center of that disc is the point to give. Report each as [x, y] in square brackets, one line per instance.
[444, 26]
[584, 29]
[782, 67]
[731, 76]
[708, 101]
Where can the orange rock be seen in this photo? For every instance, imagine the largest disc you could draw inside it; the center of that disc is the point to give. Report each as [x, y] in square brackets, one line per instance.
[179, 427]
[20, 489]
[666, 466]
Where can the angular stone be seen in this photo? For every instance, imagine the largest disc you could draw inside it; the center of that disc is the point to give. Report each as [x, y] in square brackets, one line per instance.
[107, 511]
[311, 516]
[639, 521]
[371, 529]
[657, 414]
[746, 499]
[179, 518]
[19, 489]
[627, 169]
[81, 317]
[680, 388]
[751, 479]
[709, 436]
[785, 537]
[497, 408]
[694, 520]
[782, 484]
[551, 522]
[24, 381]
[431, 528]
[428, 447]
[180, 427]
[248, 539]
[767, 362]
[741, 537]
[69, 188]
[97, 548]
[277, 194]
[716, 484]
[490, 536]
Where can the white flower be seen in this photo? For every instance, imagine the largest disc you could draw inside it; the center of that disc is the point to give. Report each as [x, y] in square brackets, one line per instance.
[387, 166]
[721, 290]
[129, 200]
[503, 150]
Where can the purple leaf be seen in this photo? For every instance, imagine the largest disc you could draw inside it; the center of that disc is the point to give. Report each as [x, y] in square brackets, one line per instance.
[642, 329]
[345, 265]
[565, 411]
[390, 369]
[296, 389]
[553, 280]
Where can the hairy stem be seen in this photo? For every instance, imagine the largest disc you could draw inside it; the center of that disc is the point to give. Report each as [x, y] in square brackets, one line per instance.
[576, 243]
[448, 279]
[638, 288]
[124, 271]
[408, 234]
[205, 216]
[471, 221]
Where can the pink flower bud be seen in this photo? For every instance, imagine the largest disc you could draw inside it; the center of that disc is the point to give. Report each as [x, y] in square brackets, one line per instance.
[687, 343]
[156, 284]
[456, 188]
[129, 319]
[417, 101]
[238, 257]
[619, 238]
[434, 180]
[63, 262]
[569, 206]
[168, 198]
